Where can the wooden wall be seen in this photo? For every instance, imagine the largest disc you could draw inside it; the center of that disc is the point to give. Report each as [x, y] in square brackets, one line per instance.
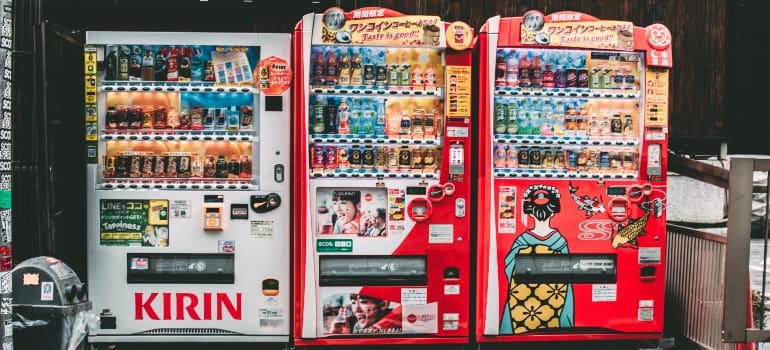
[699, 91]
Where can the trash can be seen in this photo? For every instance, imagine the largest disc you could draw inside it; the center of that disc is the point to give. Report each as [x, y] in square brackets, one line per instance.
[50, 306]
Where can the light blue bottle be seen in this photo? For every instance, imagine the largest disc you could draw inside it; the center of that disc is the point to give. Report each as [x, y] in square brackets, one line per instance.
[379, 123]
[355, 117]
[367, 117]
[534, 117]
[524, 117]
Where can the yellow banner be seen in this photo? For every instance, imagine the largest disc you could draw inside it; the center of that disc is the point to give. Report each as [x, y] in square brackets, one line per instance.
[606, 35]
[389, 31]
[656, 97]
[458, 91]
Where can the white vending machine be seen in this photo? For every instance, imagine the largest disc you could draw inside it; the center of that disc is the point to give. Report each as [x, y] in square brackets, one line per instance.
[188, 186]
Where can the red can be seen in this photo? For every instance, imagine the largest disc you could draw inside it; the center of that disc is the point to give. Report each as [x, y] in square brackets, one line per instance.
[319, 155]
[331, 158]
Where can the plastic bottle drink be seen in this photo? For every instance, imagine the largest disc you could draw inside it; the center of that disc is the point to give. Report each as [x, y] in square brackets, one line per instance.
[560, 77]
[331, 69]
[317, 123]
[148, 65]
[500, 69]
[500, 117]
[536, 72]
[430, 123]
[379, 122]
[124, 56]
[330, 117]
[196, 65]
[344, 70]
[318, 68]
[524, 78]
[343, 115]
[233, 168]
[246, 166]
[429, 77]
[548, 77]
[173, 67]
[135, 63]
[512, 70]
[406, 76]
[233, 118]
[512, 124]
[355, 117]
[367, 117]
[184, 63]
[417, 77]
[356, 74]
[500, 155]
[161, 66]
[394, 75]
[111, 63]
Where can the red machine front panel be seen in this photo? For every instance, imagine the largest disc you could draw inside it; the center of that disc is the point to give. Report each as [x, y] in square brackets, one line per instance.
[382, 149]
[572, 191]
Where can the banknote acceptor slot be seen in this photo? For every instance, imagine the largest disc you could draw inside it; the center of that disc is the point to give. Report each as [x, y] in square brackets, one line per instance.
[180, 268]
[372, 270]
[568, 268]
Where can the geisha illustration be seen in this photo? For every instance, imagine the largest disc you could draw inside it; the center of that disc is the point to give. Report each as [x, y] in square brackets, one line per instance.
[537, 306]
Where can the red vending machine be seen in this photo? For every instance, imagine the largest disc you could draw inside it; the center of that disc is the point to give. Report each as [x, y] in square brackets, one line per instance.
[572, 178]
[382, 151]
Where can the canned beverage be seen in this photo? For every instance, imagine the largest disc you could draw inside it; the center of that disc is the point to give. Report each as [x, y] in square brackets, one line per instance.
[343, 157]
[417, 122]
[183, 168]
[628, 161]
[593, 160]
[172, 162]
[208, 118]
[429, 159]
[547, 158]
[381, 158]
[417, 161]
[572, 159]
[615, 162]
[209, 166]
[160, 166]
[392, 158]
[109, 167]
[247, 117]
[159, 115]
[404, 158]
[111, 119]
[356, 157]
[135, 169]
[512, 157]
[535, 160]
[368, 157]
[220, 120]
[319, 156]
[196, 118]
[134, 117]
[500, 154]
[523, 157]
[604, 160]
[330, 162]
[558, 159]
[148, 161]
[121, 116]
[122, 165]
[582, 159]
[148, 117]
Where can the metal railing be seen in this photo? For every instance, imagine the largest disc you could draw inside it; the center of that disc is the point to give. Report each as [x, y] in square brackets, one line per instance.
[708, 294]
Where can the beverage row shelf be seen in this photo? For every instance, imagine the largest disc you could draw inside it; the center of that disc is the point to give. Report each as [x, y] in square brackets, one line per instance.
[178, 135]
[571, 92]
[378, 90]
[567, 140]
[372, 173]
[373, 140]
[178, 184]
[561, 174]
[163, 86]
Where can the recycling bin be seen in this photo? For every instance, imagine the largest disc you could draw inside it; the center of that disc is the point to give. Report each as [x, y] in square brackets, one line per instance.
[50, 305]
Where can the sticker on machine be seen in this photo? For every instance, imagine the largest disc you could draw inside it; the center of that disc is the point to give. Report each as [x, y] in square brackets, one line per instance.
[506, 220]
[180, 208]
[650, 255]
[269, 317]
[604, 292]
[359, 311]
[422, 319]
[6, 282]
[645, 314]
[414, 296]
[262, 229]
[440, 233]
[46, 291]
